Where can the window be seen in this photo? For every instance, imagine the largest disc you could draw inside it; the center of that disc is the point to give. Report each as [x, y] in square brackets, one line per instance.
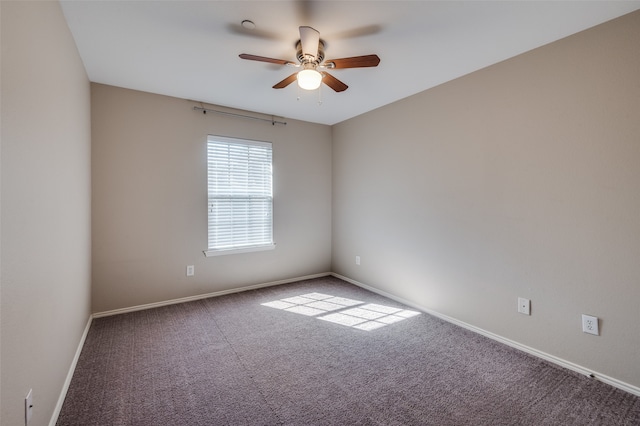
[240, 195]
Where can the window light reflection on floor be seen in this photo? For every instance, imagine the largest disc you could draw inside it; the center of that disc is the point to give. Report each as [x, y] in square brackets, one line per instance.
[343, 311]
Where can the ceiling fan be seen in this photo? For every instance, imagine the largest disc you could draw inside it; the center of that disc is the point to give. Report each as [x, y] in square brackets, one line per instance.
[310, 54]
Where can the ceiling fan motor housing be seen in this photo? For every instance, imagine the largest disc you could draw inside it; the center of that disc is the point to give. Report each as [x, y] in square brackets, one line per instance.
[310, 59]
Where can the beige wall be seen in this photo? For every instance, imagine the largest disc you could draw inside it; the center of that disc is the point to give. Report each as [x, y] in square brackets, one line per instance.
[45, 168]
[522, 179]
[149, 205]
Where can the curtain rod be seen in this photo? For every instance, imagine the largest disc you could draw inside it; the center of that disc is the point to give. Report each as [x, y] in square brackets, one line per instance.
[206, 110]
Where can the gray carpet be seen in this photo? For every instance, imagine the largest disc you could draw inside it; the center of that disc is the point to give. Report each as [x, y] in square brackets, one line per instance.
[232, 361]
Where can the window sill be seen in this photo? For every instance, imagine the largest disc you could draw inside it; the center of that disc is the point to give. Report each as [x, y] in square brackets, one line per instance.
[211, 253]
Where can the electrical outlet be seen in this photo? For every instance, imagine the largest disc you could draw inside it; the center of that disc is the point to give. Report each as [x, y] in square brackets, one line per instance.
[524, 306]
[191, 270]
[357, 260]
[28, 407]
[590, 324]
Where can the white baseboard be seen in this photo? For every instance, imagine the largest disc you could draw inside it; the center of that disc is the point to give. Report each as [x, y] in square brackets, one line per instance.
[205, 296]
[67, 381]
[532, 351]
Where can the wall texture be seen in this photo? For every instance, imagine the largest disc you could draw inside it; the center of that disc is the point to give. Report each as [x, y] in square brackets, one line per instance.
[45, 211]
[149, 205]
[522, 179]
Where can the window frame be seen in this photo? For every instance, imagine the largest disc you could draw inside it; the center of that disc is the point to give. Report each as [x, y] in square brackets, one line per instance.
[241, 248]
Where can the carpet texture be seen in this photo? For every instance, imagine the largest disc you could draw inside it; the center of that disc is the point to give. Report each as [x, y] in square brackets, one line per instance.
[231, 360]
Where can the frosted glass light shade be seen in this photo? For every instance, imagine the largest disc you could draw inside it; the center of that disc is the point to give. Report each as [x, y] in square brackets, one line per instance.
[309, 79]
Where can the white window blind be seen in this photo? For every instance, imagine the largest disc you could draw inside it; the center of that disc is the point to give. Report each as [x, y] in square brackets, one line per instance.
[240, 195]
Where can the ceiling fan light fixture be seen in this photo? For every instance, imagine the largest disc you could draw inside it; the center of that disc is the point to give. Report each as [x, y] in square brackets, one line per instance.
[309, 79]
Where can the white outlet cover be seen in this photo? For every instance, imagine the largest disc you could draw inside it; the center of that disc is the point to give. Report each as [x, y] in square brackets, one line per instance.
[28, 407]
[590, 325]
[190, 270]
[524, 306]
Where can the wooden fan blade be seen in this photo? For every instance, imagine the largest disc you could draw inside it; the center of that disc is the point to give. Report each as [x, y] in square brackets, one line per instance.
[355, 62]
[287, 81]
[333, 82]
[265, 59]
[309, 39]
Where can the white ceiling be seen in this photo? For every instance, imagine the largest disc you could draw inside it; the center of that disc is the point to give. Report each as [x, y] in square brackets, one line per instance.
[189, 49]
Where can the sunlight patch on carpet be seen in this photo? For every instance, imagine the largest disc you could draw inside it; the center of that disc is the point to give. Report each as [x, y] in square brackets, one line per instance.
[343, 311]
